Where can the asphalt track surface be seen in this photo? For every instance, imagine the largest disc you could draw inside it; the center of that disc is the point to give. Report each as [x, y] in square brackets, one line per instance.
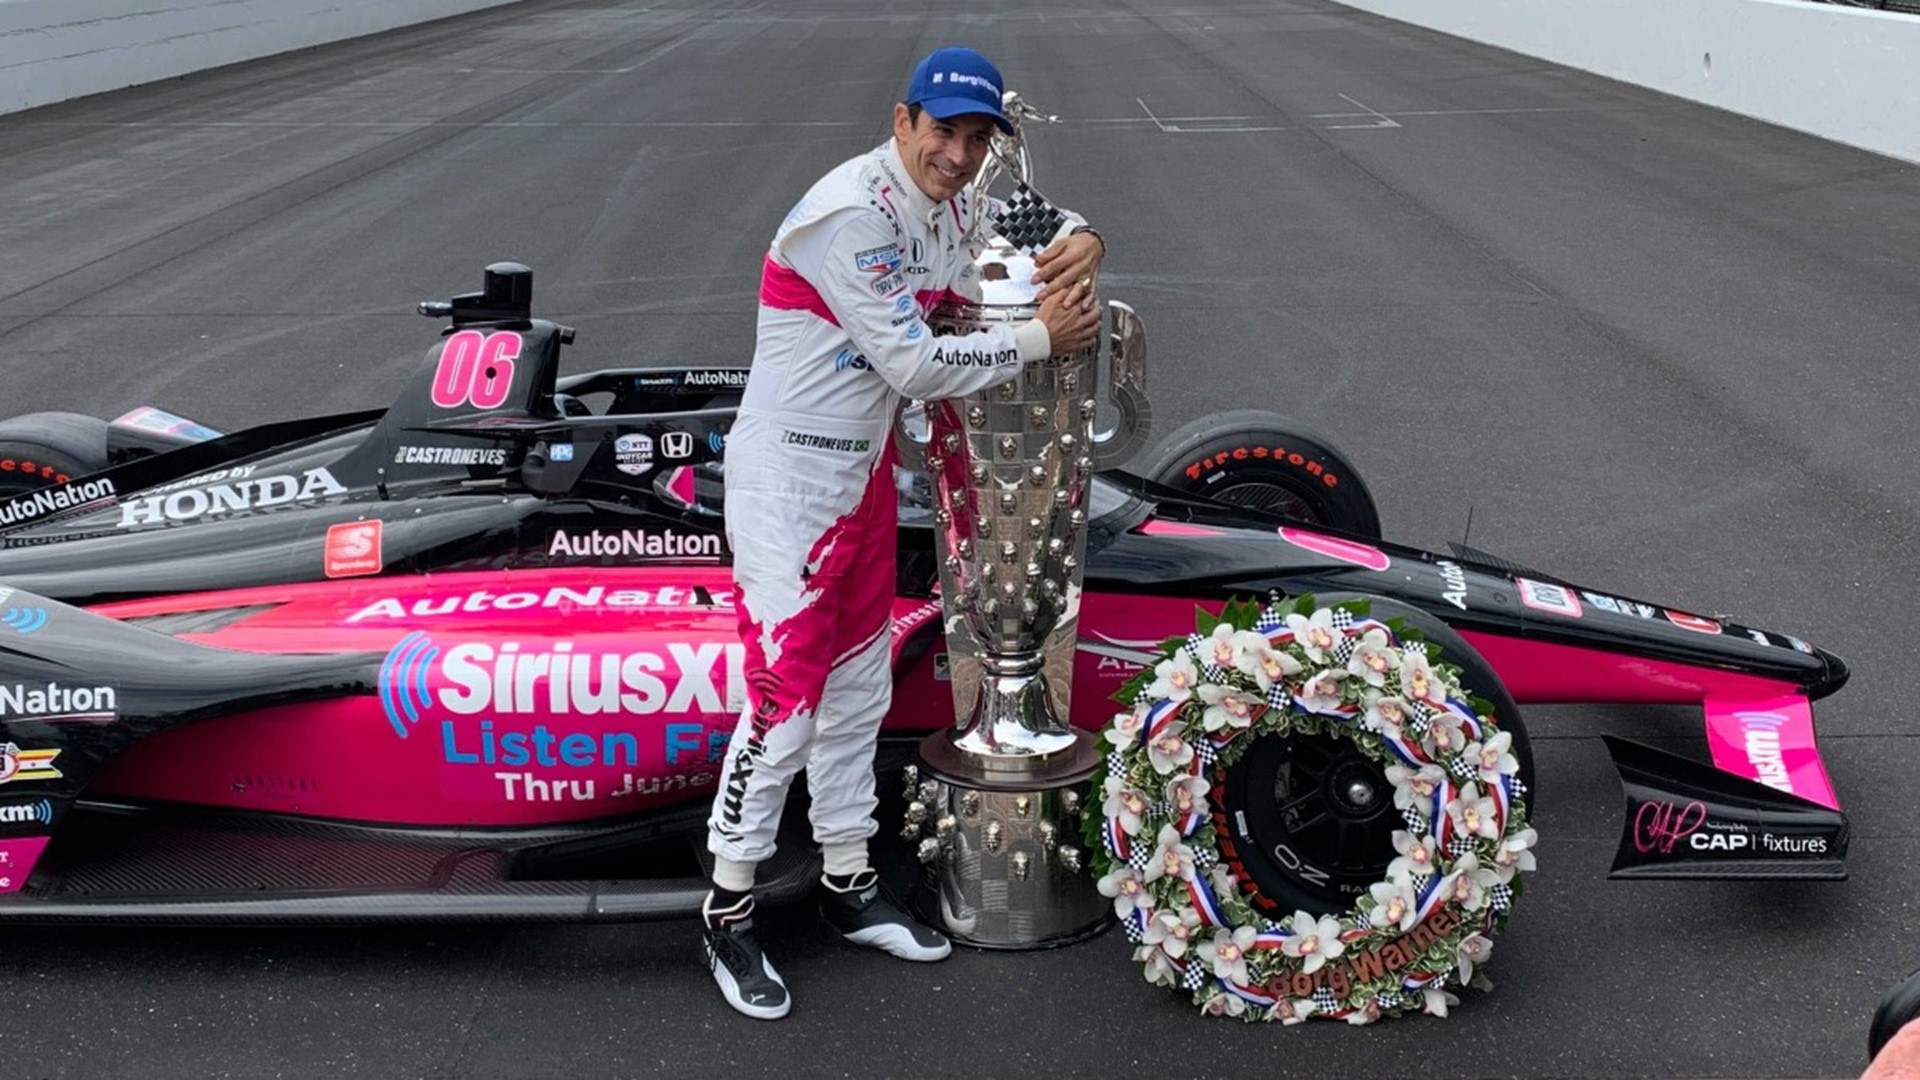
[1653, 347]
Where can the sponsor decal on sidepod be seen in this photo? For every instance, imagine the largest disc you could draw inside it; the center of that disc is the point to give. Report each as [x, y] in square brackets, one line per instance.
[558, 598]
[225, 498]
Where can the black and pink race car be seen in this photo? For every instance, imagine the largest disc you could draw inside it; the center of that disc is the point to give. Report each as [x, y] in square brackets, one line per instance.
[474, 656]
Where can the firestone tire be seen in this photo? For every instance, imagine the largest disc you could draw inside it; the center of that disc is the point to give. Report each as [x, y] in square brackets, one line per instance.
[1263, 461]
[45, 448]
[1275, 797]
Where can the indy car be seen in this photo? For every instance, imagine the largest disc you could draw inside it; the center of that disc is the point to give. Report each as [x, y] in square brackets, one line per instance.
[474, 655]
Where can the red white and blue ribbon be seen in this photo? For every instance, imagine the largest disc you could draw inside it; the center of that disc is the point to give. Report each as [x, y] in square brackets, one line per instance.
[1502, 796]
[1117, 844]
[1429, 898]
[1442, 822]
[1246, 993]
[1205, 902]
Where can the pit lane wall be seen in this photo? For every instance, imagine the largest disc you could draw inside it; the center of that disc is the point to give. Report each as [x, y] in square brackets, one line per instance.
[1847, 74]
[52, 50]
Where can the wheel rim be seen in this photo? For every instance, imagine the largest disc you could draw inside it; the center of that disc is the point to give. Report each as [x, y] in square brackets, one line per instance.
[1322, 812]
[1267, 498]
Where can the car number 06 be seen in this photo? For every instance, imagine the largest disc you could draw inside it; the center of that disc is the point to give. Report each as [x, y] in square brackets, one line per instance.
[475, 369]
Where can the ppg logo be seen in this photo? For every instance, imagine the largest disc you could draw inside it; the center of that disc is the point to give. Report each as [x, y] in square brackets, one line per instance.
[403, 680]
[24, 620]
[716, 442]
[39, 812]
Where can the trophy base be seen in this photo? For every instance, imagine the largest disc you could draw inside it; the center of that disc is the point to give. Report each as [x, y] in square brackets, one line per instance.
[1004, 862]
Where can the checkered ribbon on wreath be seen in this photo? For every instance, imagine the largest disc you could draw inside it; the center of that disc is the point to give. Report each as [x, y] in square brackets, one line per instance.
[1416, 821]
[1028, 221]
[1323, 998]
[1209, 671]
[1196, 974]
[1414, 647]
[1501, 897]
[1116, 763]
[1203, 859]
[1463, 768]
[1268, 622]
[1388, 1000]
[1132, 928]
[1203, 749]
[1140, 857]
[1459, 845]
[1342, 620]
[1343, 646]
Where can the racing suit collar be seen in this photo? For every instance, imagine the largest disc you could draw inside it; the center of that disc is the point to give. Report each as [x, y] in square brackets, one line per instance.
[918, 205]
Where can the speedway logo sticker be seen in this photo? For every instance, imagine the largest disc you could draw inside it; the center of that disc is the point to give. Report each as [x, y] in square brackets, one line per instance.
[485, 697]
[38, 504]
[353, 549]
[558, 598]
[238, 496]
[1542, 596]
[634, 543]
[26, 765]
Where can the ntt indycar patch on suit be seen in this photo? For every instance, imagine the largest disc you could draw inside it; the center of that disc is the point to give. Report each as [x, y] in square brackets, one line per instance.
[243, 495]
[634, 544]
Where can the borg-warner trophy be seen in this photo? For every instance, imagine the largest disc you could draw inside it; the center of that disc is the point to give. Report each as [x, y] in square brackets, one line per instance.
[996, 802]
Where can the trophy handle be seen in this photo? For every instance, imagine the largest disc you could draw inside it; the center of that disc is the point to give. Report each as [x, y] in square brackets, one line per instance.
[912, 431]
[1126, 388]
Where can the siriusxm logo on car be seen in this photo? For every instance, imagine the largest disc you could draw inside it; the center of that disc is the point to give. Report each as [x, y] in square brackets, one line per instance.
[38, 812]
[847, 359]
[481, 694]
[1760, 732]
[194, 503]
[716, 441]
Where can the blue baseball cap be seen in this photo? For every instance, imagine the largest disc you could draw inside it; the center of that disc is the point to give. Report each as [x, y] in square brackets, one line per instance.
[957, 81]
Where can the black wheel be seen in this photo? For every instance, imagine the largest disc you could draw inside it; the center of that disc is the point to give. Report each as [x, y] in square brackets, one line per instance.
[1265, 462]
[40, 449]
[1310, 819]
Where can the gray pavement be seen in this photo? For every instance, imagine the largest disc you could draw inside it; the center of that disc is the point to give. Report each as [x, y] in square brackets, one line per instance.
[1653, 347]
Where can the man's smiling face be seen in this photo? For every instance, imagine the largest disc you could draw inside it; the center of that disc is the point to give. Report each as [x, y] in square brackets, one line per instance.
[942, 156]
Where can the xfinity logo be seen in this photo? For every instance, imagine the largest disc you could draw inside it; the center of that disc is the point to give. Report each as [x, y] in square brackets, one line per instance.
[242, 495]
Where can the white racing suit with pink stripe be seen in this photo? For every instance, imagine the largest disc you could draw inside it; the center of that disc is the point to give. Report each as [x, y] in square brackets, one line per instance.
[810, 495]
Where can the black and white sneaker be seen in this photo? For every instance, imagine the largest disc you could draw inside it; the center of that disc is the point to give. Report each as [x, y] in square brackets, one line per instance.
[745, 975]
[864, 915]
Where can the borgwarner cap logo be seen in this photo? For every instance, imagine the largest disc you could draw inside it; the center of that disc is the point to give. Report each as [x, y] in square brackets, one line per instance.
[633, 454]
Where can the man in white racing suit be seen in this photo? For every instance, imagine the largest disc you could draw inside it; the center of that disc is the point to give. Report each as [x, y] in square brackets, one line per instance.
[810, 494]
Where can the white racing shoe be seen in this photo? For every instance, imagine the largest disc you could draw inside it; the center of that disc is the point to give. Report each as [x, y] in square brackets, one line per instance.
[741, 969]
[864, 915]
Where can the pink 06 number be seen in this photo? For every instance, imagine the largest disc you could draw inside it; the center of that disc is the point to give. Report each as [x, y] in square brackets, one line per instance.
[475, 369]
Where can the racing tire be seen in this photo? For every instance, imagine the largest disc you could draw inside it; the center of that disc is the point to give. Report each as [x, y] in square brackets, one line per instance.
[1263, 461]
[1311, 818]
[1899, 1008]
[45, 448]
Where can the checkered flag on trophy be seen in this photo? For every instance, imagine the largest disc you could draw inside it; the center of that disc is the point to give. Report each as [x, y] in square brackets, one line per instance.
[1027, 220]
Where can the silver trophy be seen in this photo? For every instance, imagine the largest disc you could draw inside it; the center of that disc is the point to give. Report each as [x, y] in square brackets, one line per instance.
[997, 801]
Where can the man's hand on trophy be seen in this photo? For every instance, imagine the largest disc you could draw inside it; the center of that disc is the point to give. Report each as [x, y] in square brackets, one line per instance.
[1072, 319]
[1073, 258]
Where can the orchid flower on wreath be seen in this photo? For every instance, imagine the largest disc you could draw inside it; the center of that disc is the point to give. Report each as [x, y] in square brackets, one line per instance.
[1292, 667]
